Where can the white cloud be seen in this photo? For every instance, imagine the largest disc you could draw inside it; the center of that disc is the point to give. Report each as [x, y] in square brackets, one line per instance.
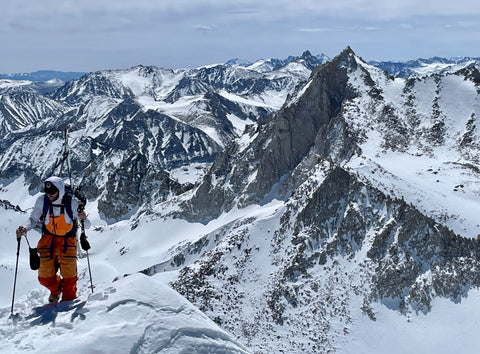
[203, 28]
[317, 29]
[265, 8]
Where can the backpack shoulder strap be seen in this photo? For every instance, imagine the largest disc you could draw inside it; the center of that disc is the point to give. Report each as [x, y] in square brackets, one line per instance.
[67, 202]
[46, 203]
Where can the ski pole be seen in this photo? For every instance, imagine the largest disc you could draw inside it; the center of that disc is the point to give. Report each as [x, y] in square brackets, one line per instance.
[16, 269]
[84, 243]
[84, 237]
[89, 271]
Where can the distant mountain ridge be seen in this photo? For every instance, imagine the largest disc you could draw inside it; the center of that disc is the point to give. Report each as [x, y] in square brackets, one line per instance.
[423, 67]
[162, 121]
[404, 69]
[44, 75]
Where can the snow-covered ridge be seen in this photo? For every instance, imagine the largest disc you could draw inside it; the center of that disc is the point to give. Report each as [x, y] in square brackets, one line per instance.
[135, 314]
[5, 83]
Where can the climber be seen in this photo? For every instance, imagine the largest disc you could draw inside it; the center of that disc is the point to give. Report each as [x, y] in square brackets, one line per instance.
[58, 211]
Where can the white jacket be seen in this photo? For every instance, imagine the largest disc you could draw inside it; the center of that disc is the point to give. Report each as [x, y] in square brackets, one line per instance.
[37, 211]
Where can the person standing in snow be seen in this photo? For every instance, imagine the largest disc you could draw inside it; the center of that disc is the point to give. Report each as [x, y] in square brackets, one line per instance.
[58, 212]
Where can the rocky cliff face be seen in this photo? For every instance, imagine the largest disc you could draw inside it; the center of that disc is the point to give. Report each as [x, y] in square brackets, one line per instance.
[307, 268]
[336, 247]
[344, 107]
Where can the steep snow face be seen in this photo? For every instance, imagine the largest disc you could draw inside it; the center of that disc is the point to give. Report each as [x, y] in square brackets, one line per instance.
[148, 81]
[419, 142]
[18, 110]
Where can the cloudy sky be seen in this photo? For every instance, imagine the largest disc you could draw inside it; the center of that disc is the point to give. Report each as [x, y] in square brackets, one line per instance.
[89, 35]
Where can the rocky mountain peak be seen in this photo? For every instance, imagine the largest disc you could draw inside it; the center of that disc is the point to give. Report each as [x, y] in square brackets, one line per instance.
[309, 60]
[346, 60]
[351, 223]
[299, 128]
[471, 72]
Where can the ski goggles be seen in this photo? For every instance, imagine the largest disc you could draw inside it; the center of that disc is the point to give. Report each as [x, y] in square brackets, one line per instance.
[50, 188]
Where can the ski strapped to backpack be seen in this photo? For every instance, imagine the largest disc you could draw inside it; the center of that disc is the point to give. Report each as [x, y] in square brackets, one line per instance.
[70, 192]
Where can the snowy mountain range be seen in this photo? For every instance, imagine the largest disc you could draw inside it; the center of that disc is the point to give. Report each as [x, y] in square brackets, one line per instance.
[161, 121]
[44, 76]
[322, 200]
[423, 67]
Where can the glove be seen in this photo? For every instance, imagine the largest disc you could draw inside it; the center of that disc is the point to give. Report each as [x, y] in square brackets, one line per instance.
[84, 243]
[20, 232]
